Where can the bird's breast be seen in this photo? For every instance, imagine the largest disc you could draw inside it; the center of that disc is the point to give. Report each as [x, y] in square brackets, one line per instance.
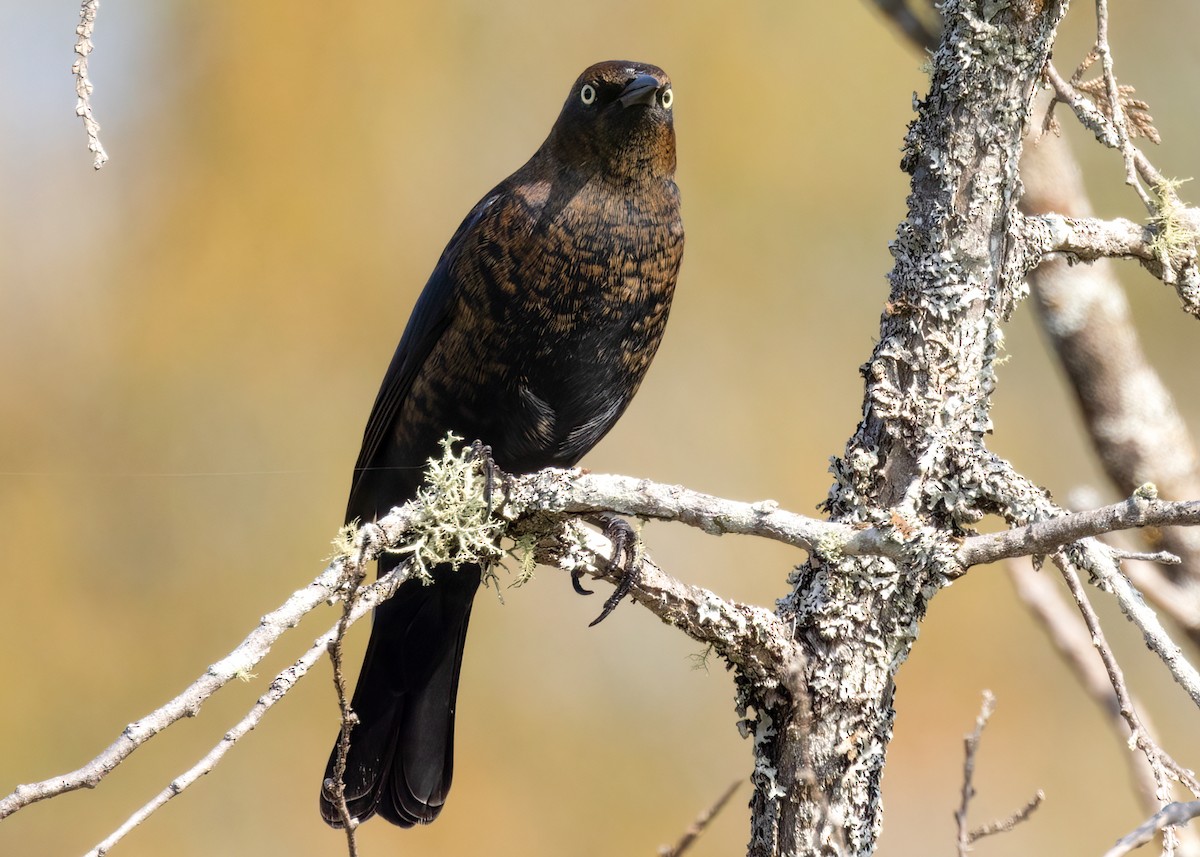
[562, 301]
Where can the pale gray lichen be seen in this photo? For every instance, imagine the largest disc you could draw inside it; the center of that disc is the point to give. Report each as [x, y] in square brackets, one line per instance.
[574, 554]
[454, 524]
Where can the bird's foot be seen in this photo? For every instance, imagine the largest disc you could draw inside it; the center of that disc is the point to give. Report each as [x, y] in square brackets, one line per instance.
[482, 453]
[626, 555]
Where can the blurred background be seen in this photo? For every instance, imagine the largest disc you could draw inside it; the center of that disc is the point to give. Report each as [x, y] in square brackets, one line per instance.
[191, 339]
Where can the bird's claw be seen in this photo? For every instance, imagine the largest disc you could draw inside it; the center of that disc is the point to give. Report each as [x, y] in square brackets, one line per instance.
[576, 582]
[625, 556]
[482, 453]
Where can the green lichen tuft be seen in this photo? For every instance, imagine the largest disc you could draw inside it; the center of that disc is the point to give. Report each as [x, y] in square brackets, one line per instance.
[344, 543]
[1146, 491]
[1172, 233]
[455, 525]
[524, 550]
[829, 547]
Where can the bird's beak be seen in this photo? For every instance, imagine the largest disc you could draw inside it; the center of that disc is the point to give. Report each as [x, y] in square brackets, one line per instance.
[643, 89]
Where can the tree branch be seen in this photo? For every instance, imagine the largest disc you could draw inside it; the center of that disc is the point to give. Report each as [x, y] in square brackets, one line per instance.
[575, 492]
[83, 86]
[1070, 637]
[1079, 650]
[1086, 239]
[239, 663]
[1160, 762]
[568, 493]
[1171, 815]
[542, 507]
[1044, 537]
[1097, 560]
[966, 836]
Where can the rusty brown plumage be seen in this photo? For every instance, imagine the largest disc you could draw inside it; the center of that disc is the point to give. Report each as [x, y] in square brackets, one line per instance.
[532, 335]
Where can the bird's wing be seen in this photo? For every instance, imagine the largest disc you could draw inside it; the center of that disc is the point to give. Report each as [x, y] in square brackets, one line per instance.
[430, 317]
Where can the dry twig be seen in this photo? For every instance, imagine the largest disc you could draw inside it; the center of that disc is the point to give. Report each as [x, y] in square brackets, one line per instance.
[1070, 637]
[966, 836]
[83, 86]
[1161, 763]
[336, 786]
[702, 821]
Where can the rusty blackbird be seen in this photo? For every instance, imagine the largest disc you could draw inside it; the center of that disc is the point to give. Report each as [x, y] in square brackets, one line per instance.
[531, 335]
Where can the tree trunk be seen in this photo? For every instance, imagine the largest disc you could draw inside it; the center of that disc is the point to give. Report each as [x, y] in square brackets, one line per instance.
[917, 465]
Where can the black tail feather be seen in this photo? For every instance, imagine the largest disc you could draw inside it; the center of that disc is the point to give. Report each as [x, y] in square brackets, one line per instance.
[401, 755]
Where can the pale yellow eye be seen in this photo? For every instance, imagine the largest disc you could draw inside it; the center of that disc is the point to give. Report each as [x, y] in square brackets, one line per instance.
[587, 94]
[668, 98]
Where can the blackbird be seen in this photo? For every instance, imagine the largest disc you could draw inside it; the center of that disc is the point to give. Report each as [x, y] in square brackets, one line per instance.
[531, 336]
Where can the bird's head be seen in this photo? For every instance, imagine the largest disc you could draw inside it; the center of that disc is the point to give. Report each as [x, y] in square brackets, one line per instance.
[618, 119]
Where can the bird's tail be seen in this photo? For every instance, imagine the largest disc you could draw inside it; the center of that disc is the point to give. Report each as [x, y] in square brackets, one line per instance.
[401, 754]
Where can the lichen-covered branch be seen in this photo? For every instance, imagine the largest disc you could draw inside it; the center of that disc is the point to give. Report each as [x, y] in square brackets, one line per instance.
[751, 638]
[452, 521]
[575, 492]
[1167, 249]
[567, 493]
[83, 85]
[1045, 536]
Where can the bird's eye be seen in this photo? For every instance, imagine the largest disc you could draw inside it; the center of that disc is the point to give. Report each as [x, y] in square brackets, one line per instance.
[667, 99]
[587, 94]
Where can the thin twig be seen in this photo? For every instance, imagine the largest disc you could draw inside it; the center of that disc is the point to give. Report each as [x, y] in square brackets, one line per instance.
[966, 836]
[971, 745]
[702, 821]
[1003, 825]
[1070, 637]
[1161, 763]
[279, 688]
[1101, 126]
[240, 662]
[1114, 105]
[337, 788]
[83, 86]
[1096, 558]
[237, 664]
